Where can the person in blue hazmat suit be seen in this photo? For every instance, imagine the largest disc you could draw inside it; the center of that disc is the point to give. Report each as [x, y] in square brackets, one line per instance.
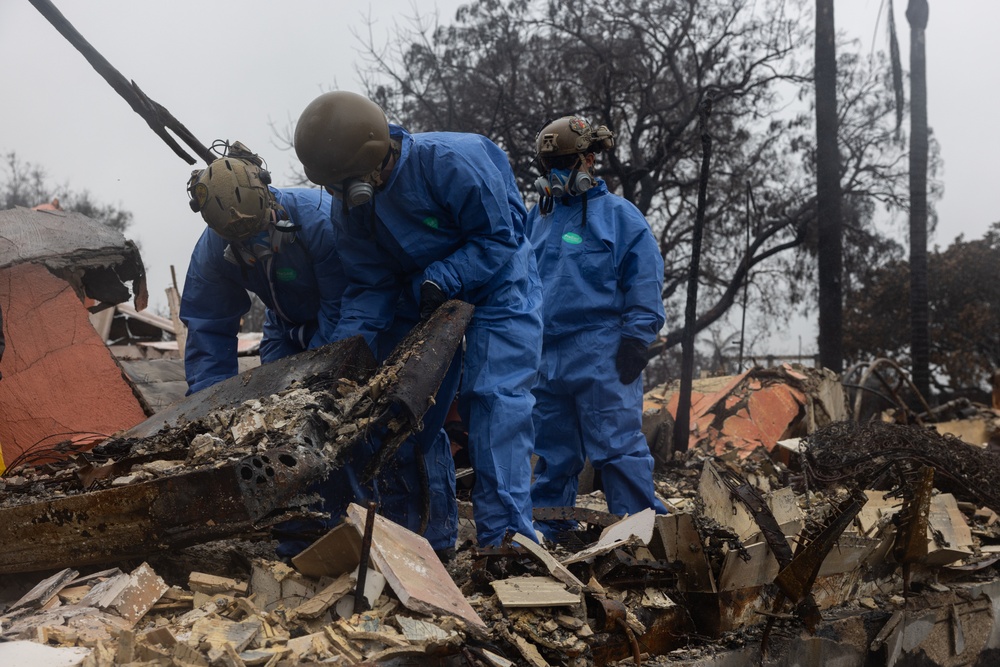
[440, 211]
[602, 278]
[279, 245]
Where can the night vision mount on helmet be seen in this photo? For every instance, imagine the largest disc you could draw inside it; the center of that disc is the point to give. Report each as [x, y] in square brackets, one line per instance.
[570, 135]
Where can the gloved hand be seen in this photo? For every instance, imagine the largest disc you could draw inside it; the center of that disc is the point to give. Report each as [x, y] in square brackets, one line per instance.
[631, 359]
[431, 297]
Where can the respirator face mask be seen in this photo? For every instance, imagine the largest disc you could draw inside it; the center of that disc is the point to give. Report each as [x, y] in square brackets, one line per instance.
[561, 180]
[354, 191]
[360, 190]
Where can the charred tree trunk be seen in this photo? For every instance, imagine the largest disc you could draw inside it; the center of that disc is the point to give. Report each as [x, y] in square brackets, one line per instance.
[916, 15]
[682, 426]
[830, 226]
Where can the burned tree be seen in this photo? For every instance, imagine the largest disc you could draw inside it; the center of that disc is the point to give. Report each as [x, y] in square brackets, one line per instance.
[503, 69]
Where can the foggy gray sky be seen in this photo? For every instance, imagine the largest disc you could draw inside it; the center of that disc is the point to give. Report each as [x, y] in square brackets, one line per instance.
[229, 69]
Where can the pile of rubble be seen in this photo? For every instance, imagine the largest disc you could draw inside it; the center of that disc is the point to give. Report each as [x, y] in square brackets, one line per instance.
[795, 537]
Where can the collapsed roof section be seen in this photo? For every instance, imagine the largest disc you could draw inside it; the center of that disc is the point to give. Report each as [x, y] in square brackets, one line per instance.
[96, 260]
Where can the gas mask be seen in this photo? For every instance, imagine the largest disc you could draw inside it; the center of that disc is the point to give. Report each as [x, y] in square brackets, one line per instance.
[353, 191]
[562, 182]
[360, 190]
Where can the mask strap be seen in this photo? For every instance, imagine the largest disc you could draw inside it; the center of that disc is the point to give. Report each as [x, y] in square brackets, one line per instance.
[545, 205]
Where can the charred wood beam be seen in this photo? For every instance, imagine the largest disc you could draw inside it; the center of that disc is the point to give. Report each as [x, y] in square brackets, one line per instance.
[420, 363]
[156, 115]
[161, 514]
[347, 359]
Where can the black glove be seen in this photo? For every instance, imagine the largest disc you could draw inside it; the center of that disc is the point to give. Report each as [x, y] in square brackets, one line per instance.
[431, 297]
[632, 358]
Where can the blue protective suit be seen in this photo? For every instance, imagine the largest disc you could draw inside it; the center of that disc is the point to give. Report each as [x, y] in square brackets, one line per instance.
[602, 280]
[301, 285]
[451, 213]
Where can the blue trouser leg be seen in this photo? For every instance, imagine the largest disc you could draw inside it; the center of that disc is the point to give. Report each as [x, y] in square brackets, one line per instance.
[496, 403]
[611, 421]
[584, 411]
[560, 454]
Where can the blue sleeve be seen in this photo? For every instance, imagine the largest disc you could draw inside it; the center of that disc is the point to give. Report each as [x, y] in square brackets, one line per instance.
[211, 307]
[474, 183]
[332, 282]
[641, 271]
[318, 236]
[371, 290]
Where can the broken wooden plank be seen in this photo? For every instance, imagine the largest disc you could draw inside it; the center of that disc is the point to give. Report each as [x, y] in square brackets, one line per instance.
[273, 583]
[44, 590]
[324, 599]
[343, 646]
[413, 570]
[948, 536]
[218, 632]
[554, 567]
[681, 541]
[210, 584]
[760, 569]
[529, 652]
[127, 595]
[332, 555]
[721, 506]
[533, 592]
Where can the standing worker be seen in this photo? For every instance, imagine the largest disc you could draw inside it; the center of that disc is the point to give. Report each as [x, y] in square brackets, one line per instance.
[441, 211]
[602, 278]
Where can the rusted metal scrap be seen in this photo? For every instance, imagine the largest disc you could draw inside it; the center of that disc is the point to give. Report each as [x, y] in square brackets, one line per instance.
[244, 466]
[776, 541]
[134, 520]
[761, 514]
[912, 520]
[796, 579]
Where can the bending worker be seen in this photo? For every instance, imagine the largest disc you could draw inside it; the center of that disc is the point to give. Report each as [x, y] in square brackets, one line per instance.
[279, 245]
[442, 211]
[274, 243]
[602, 277]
